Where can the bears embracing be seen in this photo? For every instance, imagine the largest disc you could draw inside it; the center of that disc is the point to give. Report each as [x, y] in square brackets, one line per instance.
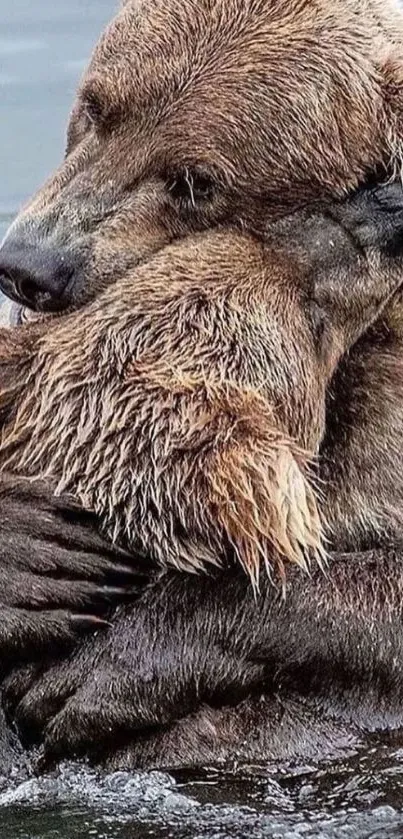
[252, 118]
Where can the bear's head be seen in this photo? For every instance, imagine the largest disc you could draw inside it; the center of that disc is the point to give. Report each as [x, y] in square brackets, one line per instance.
[184, 405]
[195, 114]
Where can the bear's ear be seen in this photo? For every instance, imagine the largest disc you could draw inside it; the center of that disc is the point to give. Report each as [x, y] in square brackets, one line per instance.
[263, 499]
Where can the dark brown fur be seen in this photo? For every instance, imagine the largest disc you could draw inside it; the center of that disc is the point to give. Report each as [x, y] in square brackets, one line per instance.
[326, 128]
[316, 115]
[159, 688]
[56, 572]
[154, 156]
[330, 298]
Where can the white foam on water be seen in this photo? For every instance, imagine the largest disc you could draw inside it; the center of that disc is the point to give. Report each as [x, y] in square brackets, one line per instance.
[120, 792]
[337, 802]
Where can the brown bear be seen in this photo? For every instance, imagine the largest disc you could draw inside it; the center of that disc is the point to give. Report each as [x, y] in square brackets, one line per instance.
[181, 409]
[205, 366]
[195, 113]
[253, 114]
[249, 118]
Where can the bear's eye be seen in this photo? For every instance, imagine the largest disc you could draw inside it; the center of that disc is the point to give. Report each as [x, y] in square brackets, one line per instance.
[77, 130]
[190, 188]
[93, 108]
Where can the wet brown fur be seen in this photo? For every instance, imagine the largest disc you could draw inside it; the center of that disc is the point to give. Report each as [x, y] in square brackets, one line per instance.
[304, 117]
[177, 423]
[193, 114]
[182, 409]
[257, 108]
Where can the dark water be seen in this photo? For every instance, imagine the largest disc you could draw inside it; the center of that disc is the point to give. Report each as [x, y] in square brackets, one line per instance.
[359, 798]
[44, 45]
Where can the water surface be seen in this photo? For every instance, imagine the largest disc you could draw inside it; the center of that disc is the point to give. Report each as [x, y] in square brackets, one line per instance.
[358, 798]
[44, 46]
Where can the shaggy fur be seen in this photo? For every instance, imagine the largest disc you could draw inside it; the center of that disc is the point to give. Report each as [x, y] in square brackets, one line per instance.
[105, 690]
[153, 157]
[180, 408]
[256, 108]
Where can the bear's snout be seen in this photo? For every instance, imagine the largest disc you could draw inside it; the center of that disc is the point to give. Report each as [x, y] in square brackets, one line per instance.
[36, 276]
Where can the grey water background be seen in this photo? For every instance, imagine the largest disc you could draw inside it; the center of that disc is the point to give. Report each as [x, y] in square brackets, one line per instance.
[44, 45]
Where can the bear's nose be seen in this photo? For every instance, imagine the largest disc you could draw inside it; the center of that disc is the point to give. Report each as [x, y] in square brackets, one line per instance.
[35, 276]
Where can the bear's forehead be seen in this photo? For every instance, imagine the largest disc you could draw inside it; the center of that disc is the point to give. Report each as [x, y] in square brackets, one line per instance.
[159, 55]
[296, 83]
[154, 43]
[206, 79]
